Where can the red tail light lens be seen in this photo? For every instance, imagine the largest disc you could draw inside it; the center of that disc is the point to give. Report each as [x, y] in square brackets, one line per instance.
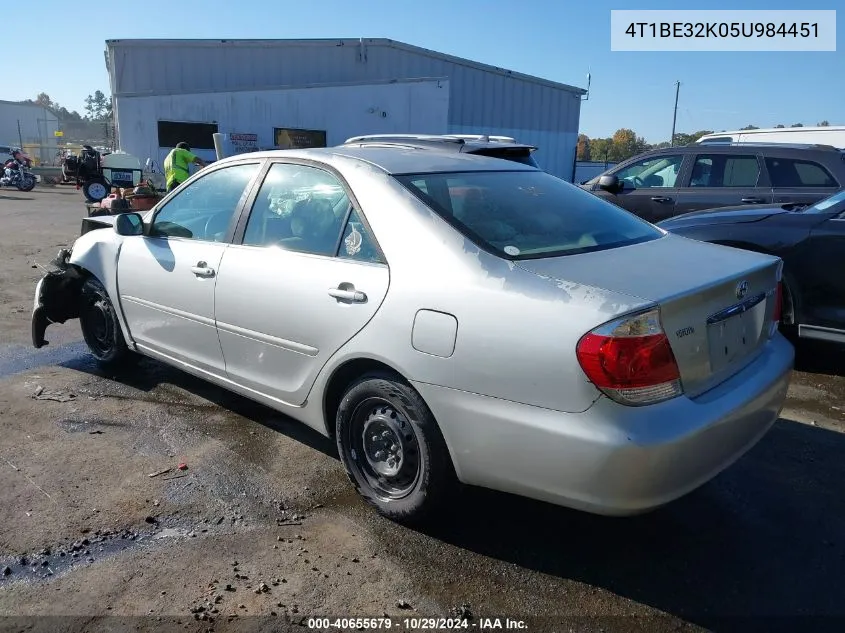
[631, 360]
[776, 315]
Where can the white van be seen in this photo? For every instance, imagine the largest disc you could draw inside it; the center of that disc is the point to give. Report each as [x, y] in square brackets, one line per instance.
[831, 135]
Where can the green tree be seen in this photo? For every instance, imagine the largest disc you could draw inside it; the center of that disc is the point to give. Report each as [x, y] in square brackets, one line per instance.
[583, 148]
[750, 127]
[824, 123]
[797, 125]
[600, 149]
[97, 106]
[780, 126]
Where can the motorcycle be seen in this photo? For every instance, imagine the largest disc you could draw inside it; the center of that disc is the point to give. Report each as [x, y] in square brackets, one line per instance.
[16, 173]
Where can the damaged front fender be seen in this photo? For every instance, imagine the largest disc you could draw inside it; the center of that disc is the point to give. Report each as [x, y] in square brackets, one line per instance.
[57, 297]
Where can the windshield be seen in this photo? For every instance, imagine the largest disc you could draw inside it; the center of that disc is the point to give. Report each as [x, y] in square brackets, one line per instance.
[527, 214]
[833, 204]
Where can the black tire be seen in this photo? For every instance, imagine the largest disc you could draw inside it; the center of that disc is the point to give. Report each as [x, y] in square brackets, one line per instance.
[100, 327]
[27, 183]
[382, 418]
[96, 184]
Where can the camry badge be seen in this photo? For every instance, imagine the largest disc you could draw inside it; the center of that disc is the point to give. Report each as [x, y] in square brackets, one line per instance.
[741, 289]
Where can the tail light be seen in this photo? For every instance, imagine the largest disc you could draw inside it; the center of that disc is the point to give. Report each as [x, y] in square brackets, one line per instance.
[630, 360]
[777, 311]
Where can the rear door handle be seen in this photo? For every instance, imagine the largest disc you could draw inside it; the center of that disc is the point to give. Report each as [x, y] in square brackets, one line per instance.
[753, 200]
[355, 296]
[661, 199]
[202, 270]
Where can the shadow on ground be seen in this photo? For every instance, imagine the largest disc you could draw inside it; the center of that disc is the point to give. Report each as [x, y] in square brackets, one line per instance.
[148, 374]
[759, 548]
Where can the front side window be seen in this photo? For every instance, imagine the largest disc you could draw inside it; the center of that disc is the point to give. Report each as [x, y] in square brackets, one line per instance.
[725, 170]
[657, 172]
[527, 214]
[205, 208]
[788, 172]
[298, 208]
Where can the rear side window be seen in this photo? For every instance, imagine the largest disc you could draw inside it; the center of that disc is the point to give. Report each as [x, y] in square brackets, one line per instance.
[788, 172]
[724, 170]
[527, 214]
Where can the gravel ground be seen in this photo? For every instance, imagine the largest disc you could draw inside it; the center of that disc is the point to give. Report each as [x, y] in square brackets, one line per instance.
[261, 530]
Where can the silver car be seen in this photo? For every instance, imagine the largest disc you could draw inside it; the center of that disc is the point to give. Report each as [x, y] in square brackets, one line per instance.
[446, 318]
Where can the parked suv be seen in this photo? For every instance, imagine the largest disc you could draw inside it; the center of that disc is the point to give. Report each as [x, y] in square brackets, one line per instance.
[667, 182]
[496, 146]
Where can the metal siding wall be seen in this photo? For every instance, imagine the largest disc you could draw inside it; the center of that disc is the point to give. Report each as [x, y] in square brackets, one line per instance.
[481, 101]
[422, 105]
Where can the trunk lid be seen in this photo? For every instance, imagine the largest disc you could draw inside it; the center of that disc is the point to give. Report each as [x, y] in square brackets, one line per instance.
[716, 302]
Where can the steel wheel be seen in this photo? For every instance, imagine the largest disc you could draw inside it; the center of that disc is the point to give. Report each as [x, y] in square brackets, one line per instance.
[100, 327]
[392, 448]
[384, 448]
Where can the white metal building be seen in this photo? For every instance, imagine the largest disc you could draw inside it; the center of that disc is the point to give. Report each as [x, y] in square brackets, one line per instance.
[24, 124]
[312, 92]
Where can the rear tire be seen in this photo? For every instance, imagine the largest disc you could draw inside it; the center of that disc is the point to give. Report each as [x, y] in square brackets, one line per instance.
[393, 450]
[100, 327]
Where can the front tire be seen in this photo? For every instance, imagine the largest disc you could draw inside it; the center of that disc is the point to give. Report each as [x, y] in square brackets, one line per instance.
[100, 327]
[95, 190]
[27, 183]
[393, 450]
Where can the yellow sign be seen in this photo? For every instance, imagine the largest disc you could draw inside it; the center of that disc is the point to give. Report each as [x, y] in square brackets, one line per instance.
[58, 133]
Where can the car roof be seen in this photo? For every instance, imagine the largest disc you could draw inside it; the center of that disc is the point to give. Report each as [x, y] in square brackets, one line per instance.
[743, 147]
[451, 142]
[394, 159]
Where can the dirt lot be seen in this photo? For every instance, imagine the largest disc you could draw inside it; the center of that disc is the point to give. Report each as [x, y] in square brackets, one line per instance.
[261, 531]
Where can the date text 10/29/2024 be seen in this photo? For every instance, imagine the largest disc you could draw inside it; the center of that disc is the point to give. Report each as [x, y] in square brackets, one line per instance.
[415, 624]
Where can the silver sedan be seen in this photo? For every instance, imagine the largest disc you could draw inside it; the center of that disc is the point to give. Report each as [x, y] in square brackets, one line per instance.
[446, 318]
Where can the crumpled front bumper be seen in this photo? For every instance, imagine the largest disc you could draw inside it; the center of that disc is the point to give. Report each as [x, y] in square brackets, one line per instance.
[56, 298]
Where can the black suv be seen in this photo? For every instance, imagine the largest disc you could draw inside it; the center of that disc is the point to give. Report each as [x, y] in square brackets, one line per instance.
[667, 182]
[496, 146]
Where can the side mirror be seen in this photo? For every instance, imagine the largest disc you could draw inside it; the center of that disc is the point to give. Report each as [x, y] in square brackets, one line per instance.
[129, 224]
[610, 183]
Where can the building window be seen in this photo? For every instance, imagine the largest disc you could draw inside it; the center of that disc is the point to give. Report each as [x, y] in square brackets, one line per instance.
[292, 138]
[196, 135]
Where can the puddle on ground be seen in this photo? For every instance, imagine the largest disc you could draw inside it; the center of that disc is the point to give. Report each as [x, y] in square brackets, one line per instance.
[88, 550]
[16, 359]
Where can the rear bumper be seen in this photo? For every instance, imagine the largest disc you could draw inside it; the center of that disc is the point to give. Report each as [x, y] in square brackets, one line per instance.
[612, 459]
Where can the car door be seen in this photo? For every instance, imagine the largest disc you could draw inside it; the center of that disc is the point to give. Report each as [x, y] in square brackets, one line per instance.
[723, 179]
[303, 278]
[799, 181]
[823, 276]
[648, 186]
[166, 277]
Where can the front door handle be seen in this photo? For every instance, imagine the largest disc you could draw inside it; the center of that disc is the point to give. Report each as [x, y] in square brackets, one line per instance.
[661, 199]
[753, 200]
[202, 270]
[355, 296]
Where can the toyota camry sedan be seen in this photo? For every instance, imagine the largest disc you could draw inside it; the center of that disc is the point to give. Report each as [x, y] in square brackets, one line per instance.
[447, 318]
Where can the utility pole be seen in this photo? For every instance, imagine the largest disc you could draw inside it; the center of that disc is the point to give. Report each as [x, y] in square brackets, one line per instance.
[675, 115]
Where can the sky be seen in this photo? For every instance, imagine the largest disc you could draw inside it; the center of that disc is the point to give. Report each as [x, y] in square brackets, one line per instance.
[560, 40]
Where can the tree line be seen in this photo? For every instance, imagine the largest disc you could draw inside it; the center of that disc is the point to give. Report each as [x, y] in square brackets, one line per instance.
[625, 143]
[93, 125]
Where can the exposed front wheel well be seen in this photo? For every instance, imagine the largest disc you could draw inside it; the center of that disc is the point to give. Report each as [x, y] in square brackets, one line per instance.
[340, 380]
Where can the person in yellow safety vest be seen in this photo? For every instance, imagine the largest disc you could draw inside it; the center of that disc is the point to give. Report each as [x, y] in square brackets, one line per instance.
[177, 163]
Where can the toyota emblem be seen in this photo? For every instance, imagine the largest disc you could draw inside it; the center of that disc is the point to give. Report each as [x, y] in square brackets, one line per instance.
[741, 289]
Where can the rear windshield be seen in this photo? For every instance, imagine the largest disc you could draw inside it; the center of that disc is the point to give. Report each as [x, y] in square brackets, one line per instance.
[527, 214]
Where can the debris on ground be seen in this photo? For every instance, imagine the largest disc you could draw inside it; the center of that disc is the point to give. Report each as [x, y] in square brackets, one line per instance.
[7, 570]
[159, 472]
[403, 604]
[56, 396]
[182, 466]
[462, 612]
